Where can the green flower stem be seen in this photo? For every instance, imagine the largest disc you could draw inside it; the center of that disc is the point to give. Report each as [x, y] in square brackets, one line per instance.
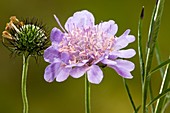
[24, 82]
[87, 95]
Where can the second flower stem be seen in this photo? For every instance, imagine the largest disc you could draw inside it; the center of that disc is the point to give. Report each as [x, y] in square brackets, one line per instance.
[24, 83]
[87, 95]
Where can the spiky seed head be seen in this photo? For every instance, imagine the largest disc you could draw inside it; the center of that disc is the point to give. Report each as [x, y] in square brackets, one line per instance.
[25, 37]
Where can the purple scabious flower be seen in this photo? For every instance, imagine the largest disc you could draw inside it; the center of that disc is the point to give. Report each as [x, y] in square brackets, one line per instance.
[83, 47]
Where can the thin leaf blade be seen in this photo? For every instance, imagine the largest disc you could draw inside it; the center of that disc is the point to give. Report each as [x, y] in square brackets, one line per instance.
[158, 57]
[140, 44]
[153, 31]
[164, 86]
[160, 66]
[159, 96]
[152, 38]
[129, 94]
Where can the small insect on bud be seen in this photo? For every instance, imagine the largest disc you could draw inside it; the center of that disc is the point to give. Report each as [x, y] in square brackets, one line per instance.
[25, 37]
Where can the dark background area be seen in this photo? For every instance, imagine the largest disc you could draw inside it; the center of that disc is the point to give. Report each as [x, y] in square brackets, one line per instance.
[68, 97]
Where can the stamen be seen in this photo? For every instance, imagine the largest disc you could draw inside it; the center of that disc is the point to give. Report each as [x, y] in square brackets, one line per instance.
[13, 25]
[14, 19]
[59, 23]
[86, 43]
[6, 35]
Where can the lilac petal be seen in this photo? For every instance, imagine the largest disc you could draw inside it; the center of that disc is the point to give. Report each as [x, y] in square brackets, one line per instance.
[124, 53]
[112, 57]
[108, 62]
[56, 35]
[108, 27]
[51, 71]
[65, 57]
[80, 19]
[51, 55]
[78, 71]
[99, 59]
[123, 40]
[126, 32]
[122, 72]
[130, 38]
[95, 74]
[123, 68]
[63, 74]
[125, 64]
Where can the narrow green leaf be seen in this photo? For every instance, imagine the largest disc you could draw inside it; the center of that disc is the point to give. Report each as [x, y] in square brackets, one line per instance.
[145, 85]
[165, 82]
[159, 96]
[151, 96]
[140, 45]
[154, 29]
[166, 105]
[137, 109]
[152, 38]
[130, 97]
[160, 66]
[151, 28]
[158, 57]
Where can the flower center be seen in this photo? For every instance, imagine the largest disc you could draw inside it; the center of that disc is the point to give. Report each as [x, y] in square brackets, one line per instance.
[86, 44]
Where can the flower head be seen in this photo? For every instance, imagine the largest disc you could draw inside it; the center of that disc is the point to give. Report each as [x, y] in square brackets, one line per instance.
[84, 47]
[25, 37]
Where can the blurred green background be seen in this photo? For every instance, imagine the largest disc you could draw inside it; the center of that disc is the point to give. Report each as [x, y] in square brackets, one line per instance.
[68, 97]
